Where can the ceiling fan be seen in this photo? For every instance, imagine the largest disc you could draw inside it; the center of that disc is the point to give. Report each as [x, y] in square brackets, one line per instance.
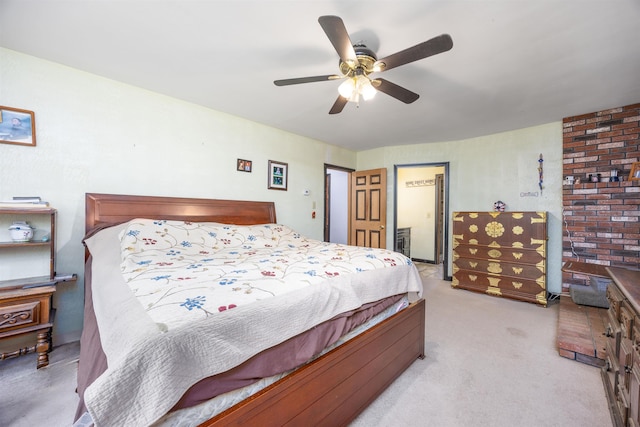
[357, 62]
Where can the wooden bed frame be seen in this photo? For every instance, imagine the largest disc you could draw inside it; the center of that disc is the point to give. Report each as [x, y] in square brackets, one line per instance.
[333, 389]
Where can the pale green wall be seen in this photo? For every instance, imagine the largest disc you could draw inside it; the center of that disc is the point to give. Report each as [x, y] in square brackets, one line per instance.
[98, 135]
[485, 169]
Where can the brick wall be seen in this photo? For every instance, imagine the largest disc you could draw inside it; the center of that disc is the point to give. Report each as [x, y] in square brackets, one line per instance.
[602, 220]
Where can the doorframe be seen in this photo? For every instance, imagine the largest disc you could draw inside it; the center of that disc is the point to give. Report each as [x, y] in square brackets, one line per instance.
[445, 260]
[440, 218]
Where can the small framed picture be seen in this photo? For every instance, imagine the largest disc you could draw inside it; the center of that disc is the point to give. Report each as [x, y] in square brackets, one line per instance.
[244, 165]
[278, 172]
[17, 126]
[635, 171]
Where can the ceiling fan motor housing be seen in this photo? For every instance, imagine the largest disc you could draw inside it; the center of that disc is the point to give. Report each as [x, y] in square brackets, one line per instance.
[366, 60]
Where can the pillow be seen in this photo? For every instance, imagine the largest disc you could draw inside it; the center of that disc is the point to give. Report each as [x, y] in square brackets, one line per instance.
[268, 235]
[142, 235]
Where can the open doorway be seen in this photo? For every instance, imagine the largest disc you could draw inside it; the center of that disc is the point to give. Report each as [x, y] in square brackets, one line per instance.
[336, 203]
[421, 212]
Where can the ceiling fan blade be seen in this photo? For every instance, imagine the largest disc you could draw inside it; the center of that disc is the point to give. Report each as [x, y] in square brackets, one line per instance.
[300, 80]
[436, 45]
[337, 33]
[392, 89]
[338, 106]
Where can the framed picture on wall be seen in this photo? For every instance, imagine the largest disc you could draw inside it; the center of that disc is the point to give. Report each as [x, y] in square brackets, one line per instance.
[278, 175]
[244, 165]
[17, 126]
[635, 171]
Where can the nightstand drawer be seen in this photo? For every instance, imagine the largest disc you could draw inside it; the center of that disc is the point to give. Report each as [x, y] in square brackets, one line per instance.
[17, 316]
[25, 309]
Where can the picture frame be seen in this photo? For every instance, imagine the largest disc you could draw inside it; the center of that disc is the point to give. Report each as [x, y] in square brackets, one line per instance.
[635, 171]
[244, 165]
[17, 126]
[278, 175]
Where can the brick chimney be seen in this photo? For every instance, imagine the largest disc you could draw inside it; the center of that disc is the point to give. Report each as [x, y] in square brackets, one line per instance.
[601, 220]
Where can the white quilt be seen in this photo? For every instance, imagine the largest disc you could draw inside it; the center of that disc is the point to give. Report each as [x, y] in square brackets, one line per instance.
[177, 302]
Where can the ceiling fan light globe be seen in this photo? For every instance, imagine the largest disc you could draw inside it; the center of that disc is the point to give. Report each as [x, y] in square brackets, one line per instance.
[347, 88]
[368, 91]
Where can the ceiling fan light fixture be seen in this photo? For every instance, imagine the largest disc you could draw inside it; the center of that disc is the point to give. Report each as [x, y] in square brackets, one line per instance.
[366, 88]
[355, 87]
[347, 88]
[357, 62]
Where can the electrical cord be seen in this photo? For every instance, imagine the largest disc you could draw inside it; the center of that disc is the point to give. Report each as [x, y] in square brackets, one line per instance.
[566, 227]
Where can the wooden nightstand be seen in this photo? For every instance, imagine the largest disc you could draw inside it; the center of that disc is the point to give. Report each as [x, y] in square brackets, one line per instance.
[26, 305]
[28, 310]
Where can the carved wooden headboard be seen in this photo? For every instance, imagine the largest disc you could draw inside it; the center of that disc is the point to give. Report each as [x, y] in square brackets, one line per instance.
[112, 209]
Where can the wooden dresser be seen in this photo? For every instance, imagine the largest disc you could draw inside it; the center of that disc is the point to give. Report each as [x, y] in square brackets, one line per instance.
[621, 371]
[501, 254]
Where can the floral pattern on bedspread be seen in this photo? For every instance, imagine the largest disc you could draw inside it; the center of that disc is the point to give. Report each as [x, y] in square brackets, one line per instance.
[182, 271]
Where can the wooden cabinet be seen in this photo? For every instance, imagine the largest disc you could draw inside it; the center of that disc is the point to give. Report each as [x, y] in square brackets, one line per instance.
[501, 254]
[621, 372]
[26, 299]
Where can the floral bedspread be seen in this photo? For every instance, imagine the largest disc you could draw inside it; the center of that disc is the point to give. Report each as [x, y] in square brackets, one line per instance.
[181, 271]
[167, 293]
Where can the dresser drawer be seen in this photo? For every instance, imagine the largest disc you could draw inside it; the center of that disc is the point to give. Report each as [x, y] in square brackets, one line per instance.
[634, 395]
[503, 268]
[615, 301]
[614, 336]
[516, 255]
[611, 367]
[625, 360]
[635, 332]
[622, 405]
[525, 290]
[502, 229]
[627, 318]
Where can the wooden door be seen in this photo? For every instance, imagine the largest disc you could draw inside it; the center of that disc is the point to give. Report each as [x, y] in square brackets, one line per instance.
[368, 216]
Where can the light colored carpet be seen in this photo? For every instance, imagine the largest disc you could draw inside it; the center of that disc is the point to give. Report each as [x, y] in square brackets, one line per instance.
[489, 362]
[40, 397]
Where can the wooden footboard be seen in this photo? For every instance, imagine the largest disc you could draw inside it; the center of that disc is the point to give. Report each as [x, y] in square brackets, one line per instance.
[336, 387]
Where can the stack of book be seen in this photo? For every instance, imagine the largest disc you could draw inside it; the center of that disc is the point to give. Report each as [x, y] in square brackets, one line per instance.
[21, 202]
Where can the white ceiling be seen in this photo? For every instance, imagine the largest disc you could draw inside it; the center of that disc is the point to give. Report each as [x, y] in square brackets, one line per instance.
[514, 63]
